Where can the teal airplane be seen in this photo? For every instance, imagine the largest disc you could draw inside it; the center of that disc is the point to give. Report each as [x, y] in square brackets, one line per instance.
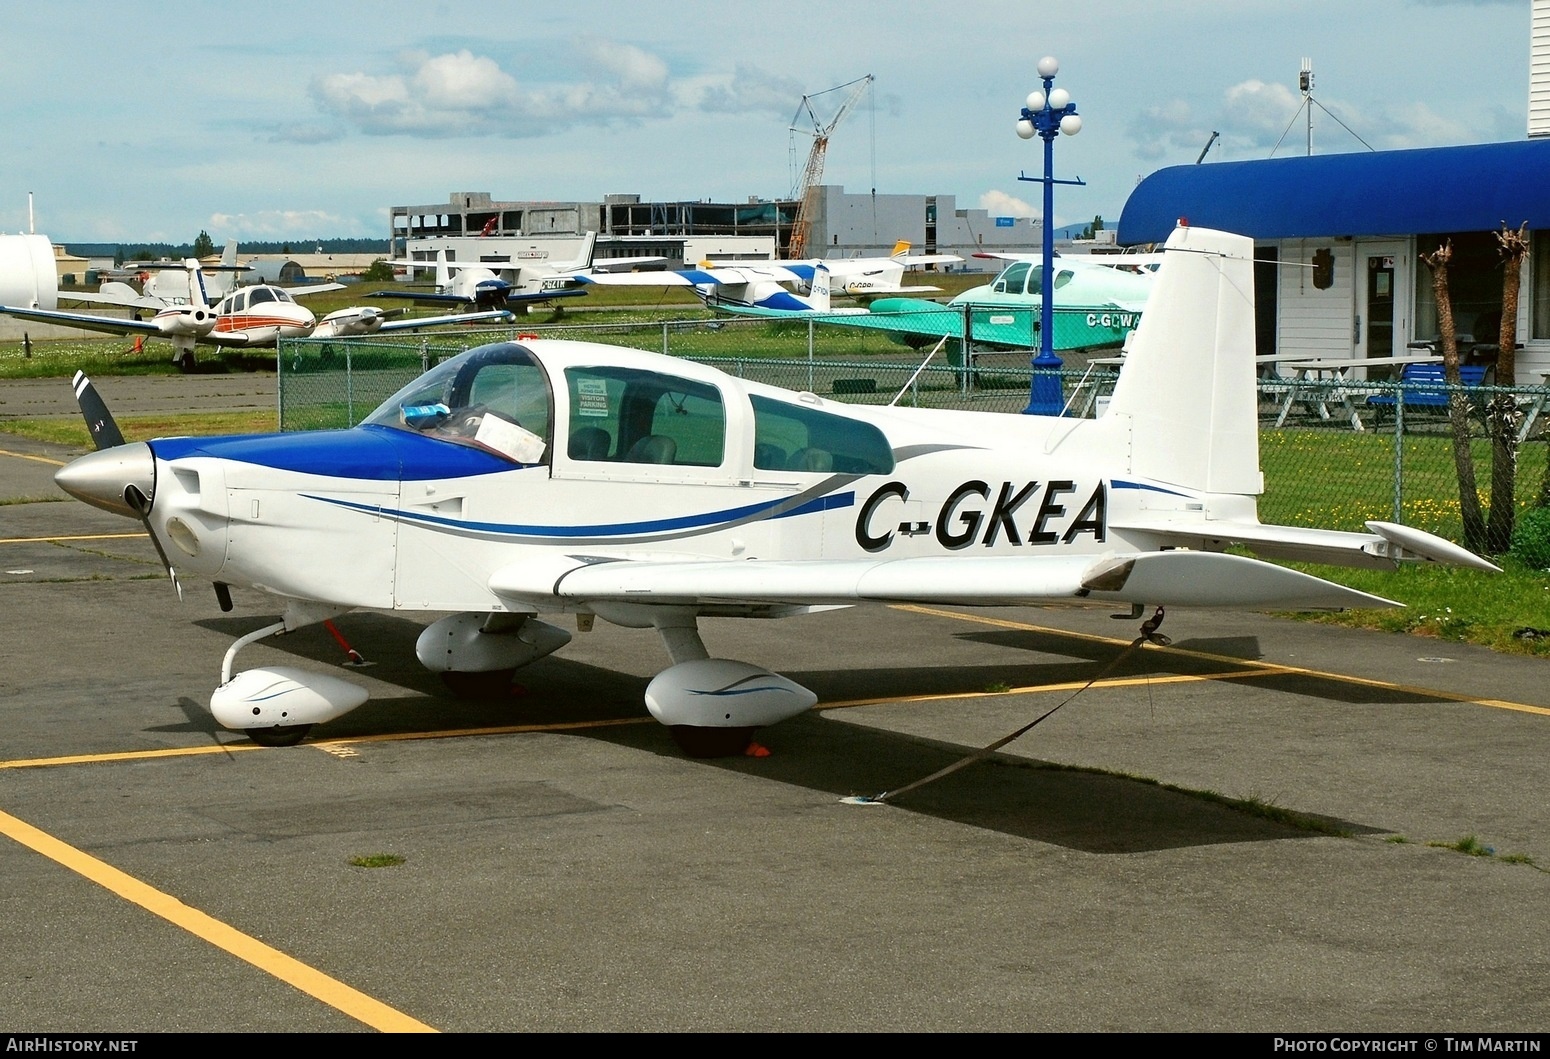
[1096, 306]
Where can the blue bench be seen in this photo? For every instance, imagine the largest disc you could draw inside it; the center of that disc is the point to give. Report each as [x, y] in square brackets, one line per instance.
[1425, 387]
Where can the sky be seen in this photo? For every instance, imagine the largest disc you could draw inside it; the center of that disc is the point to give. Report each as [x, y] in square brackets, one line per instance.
[294, 121]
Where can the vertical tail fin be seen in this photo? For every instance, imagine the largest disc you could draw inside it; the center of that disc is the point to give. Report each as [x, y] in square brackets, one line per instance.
[198, 296]
[819, 298]
[1187, 384]
[584, 260]
[443, 273]
[900, 248]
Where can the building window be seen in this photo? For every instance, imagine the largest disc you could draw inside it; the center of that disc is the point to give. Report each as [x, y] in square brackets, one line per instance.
[1539, 268]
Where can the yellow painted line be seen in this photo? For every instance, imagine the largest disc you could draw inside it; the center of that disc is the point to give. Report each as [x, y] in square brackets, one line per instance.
[271, 961]
[325, 745]
[78, 537]
[1269, 667]
[127, 755]
[459, 733]
[31, 456]
[1070, 685]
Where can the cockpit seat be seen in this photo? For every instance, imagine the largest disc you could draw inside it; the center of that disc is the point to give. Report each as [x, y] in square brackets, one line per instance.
[810, 460]
[653, 448]
[589, 443]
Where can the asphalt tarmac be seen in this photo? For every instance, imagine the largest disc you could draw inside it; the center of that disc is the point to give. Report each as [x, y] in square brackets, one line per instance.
[563, 867]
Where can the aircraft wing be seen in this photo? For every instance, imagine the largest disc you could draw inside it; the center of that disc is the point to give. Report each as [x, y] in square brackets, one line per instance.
[112, 325]
[697, 277]
[611, 263]
[121, 294]
[512, 298]
[312, 288]
[1111, 260]
[1184, 578]
[414, 323]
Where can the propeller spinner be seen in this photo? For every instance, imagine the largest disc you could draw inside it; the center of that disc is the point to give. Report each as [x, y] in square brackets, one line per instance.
[119, 477]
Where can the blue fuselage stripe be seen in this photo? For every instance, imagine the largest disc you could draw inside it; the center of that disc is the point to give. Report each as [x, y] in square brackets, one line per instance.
[705, 520]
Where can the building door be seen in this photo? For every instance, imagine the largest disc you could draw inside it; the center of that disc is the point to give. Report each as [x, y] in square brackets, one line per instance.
[1382, 321]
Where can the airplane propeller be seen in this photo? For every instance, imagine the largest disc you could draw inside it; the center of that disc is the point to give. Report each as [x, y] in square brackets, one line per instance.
[99, 421]
[86, 482]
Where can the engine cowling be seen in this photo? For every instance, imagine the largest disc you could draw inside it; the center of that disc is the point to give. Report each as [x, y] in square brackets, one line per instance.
[185, 320]
[355, 320]
[723, 693]
[461, 643]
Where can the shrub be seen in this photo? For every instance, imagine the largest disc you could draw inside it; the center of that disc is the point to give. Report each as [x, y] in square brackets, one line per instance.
[379, 272]
[1531, 538]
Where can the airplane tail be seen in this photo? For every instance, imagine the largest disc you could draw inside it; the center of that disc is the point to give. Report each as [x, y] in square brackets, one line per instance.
[198, 295]
[443, 273]
[900, 249]
[1187, 384]
[584, 261]
[819, 295]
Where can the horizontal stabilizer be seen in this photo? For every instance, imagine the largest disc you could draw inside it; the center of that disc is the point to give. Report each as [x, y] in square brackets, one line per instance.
[1388, 545]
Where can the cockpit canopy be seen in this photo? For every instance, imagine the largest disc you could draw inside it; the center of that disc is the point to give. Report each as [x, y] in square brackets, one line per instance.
[237, 301]
[1023, 277]
[500, 398]
[494, 396]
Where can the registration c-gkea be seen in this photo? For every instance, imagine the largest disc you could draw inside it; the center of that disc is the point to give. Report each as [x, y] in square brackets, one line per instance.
[555, 478]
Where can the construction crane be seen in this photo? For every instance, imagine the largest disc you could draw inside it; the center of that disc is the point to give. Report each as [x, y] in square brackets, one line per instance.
[807, 191]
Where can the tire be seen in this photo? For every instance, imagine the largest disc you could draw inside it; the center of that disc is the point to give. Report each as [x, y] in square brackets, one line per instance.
[495, 684]
[279, 735]
[702, 742]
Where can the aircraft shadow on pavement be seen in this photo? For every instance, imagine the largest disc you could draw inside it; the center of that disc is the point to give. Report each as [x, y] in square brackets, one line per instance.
[1182, 658]
[1080, 809]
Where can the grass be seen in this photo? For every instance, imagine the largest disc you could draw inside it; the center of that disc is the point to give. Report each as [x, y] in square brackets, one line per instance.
[1451, 604]
[377, 860]
[72, 431]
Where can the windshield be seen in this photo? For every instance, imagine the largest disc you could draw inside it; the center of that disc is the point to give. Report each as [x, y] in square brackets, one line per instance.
[493, 397]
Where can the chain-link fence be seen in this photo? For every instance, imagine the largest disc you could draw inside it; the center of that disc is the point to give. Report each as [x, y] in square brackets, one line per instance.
[1335, 454]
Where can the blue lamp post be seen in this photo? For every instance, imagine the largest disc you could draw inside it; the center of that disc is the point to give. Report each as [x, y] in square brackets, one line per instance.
[1046, 115]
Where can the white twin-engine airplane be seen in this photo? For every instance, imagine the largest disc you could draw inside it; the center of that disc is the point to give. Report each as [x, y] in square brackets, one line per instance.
[782, 287]
[545, 476]
[248, 317]
[494, 285]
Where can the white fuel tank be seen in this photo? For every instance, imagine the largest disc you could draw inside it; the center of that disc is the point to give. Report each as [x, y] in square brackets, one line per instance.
[28, 278]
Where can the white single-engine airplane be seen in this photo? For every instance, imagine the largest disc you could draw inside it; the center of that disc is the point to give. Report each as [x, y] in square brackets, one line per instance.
[248, 317]
[546, 476]
[780, 288]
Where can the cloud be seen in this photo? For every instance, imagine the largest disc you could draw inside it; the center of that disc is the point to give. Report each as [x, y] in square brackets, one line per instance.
[305, 133]
[748, 90]
[1000, 204]
[1257, 118]
[463, 94]
[433, 95]
[1165, 129]
[279, 224]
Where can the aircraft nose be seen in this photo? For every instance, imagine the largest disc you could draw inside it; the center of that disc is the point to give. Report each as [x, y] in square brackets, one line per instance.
[101, 478]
